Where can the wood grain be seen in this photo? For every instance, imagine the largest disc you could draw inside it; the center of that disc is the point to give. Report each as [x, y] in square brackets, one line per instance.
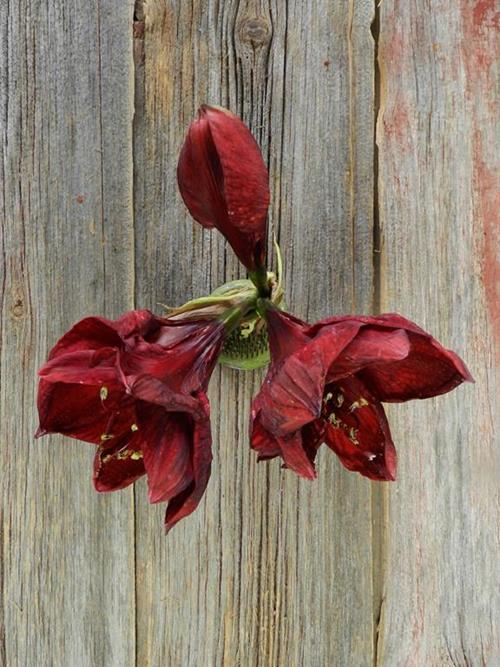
[438, 158]
[95, 99]
[270, 570]
[67, 251]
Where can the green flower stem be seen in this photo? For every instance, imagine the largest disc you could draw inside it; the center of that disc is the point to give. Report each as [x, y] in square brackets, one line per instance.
[260, 279]
[262, 305]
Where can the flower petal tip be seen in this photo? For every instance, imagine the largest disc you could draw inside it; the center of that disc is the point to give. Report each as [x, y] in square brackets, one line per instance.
[99, 486]
[170, 521]
[154, 496]
[467, 376]
[40, 432]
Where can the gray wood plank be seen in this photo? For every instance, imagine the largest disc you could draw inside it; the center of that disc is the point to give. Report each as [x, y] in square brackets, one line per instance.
[270, 570]
[439, 153]
[67, 250]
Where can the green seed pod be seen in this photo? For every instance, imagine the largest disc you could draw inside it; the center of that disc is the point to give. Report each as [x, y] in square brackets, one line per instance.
[246, 350]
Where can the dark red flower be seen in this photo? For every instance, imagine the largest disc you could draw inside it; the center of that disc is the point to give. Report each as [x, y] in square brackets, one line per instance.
[136, 387]
[224, 182]
[327, 381]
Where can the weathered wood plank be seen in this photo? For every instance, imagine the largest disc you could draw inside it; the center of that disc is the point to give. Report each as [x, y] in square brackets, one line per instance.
[438, 210]
[66, 122]
[270, 570]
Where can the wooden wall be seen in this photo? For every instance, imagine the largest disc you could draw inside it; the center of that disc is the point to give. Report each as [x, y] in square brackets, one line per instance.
[378, 125]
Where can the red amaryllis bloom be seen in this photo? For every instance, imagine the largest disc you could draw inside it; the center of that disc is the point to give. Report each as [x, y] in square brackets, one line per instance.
[327, 381]
[136, 387]
[224, 182]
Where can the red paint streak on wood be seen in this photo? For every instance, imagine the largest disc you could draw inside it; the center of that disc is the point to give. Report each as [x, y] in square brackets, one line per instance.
[394, 49]
[480, 43]
[487, 190]
[480, 50]
[484, 13]
[397, 123]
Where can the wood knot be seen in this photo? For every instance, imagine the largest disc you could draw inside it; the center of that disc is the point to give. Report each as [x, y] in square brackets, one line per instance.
[17, 309]
[256, 31]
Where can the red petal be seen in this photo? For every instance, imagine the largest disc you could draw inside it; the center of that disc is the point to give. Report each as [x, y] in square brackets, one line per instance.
[357, 430]
[93, 333]
[151, 390]
[118, 466]
[296, 456]
[399, 374]
[292, 394]
[287, 334]
[200, 177]
[166, 445]
[95, 367]
[188, 500]
[181, 356]
[297, 450]
[245, 175]
[224, 182]
[428, 370]
[90, 333]
[386, 320]
[79, 411]
[137, 323]
[264, 443]
[371, 346]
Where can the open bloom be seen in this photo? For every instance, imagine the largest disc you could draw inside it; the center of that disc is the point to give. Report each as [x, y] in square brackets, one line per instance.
[224, 182]
[327, 381]
[135, 387]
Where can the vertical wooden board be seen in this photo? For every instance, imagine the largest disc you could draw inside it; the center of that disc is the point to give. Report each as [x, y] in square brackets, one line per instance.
[269, 570]
[438, 206]
[67, 251]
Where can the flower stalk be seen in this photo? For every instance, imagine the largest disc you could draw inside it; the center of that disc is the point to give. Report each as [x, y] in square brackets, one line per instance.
[259, 277]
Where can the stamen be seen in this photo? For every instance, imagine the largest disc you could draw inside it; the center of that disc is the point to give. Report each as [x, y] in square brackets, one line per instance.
[352, 436]
[360, 403]
[332, 418]
[103, 393]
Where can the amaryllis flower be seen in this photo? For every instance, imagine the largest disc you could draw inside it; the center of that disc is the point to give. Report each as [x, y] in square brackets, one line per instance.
[327, 382]
[224, 182]
[135, 387]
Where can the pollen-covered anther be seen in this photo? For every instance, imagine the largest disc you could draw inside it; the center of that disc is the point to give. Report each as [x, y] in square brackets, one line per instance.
[352, 436]
[134, 427]
[328, 397]
[103, 393]
[360, 403]
[128, 454]
[106, 436]
[124, 454]
[339, 400]
[332, 418]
